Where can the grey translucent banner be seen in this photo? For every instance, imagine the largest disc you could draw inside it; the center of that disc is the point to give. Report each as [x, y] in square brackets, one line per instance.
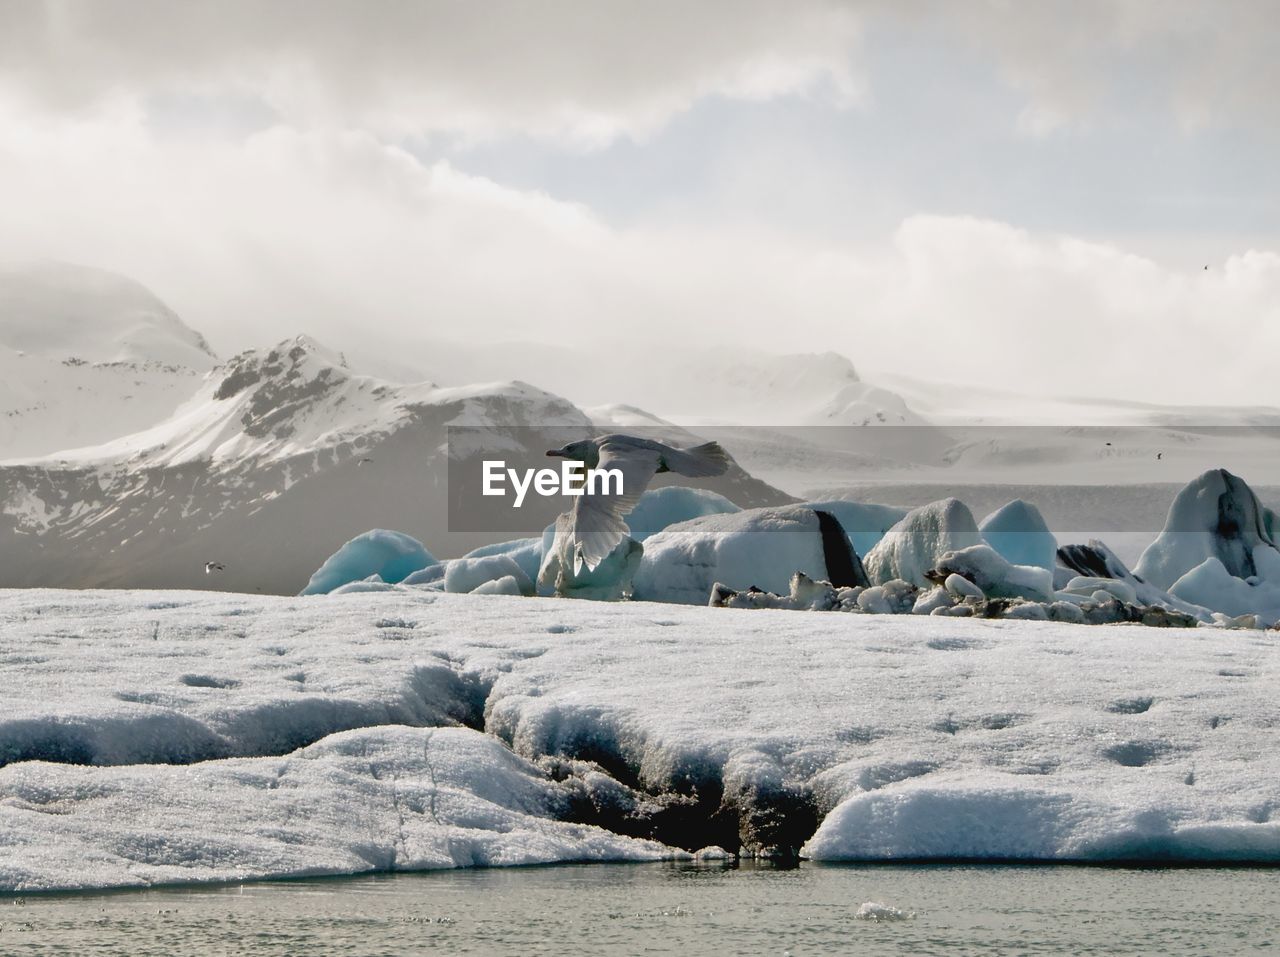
[1086, 480]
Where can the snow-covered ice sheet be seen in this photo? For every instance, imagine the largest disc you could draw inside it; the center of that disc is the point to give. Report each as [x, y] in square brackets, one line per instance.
[889, 736]
[377, 799]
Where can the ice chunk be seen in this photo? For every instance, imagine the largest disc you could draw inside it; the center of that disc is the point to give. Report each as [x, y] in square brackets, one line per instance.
[934, 598]
[895, 597]
[760, 547]
[994, 576]
[527, 553]
[1096, 561]
[464, 575]
[805, 595]
[372, 583]
[429, 575]
[1019, 533]
[660, 508]
[993, 815]
[864, 522]
[1216, 516]
[507, 585]
[392, 556]
[1114, 587]
[912, 547]
[876, 911]
[713, 853]
[1210, 585]
[962, 588]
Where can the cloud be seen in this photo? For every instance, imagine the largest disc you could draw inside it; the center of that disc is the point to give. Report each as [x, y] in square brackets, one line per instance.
[585, 72]
[1056, 314]
[363, 245]
[1208, 63]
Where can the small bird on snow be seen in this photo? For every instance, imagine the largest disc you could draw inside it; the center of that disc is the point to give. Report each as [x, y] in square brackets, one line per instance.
[211, 567]
[598, 525]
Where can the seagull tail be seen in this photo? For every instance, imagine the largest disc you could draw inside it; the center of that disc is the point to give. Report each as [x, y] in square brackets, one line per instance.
[706, 459]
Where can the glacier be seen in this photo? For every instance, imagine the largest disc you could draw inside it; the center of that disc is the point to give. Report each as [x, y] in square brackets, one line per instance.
[160, 737]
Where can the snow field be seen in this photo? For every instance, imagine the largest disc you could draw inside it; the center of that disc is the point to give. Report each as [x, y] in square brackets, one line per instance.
[836, 736]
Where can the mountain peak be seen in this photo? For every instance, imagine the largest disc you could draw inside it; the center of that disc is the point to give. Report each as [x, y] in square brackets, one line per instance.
[276, 384]
[63, 311]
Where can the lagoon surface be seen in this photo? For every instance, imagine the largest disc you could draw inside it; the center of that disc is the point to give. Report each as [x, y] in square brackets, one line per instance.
[630, 909]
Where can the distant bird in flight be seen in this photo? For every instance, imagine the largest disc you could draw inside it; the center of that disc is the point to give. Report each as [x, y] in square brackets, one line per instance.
[598, 525]
[363, 460]
[211, 567]
[1159, 455]
[1206, 267]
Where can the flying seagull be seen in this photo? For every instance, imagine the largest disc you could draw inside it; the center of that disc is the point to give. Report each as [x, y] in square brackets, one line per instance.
[211, 567]
[598, 525]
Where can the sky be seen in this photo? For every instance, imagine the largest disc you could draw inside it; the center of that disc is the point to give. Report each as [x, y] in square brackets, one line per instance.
[984, 192]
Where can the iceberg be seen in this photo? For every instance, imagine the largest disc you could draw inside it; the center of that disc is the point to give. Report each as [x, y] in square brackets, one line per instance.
[1020, 534]
[995, 577]
[527, 553]
[392, 556]
[661, 508]
[761, 548]
[464, 575]
[1215, 516]
[912, 547]
[865, 523]
[1211, 586]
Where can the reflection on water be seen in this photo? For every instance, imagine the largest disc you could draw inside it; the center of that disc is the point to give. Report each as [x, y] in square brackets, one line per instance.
[675, 909]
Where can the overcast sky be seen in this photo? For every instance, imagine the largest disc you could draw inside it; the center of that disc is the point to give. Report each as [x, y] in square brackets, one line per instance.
[1017, 193]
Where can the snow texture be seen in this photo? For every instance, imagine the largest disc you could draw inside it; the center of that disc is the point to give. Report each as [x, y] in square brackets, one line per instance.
[184, 736]
[374, 799]
[392, 556]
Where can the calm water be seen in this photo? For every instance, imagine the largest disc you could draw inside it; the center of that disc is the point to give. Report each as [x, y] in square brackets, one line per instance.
[674, 909]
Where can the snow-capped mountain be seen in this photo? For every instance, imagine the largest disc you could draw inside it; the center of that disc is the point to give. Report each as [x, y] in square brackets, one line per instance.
[87, 356]
[279, 457]
[741, 384]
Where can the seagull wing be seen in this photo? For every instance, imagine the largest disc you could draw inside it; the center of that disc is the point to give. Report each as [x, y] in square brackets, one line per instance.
[598, 514]
[699, 461]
